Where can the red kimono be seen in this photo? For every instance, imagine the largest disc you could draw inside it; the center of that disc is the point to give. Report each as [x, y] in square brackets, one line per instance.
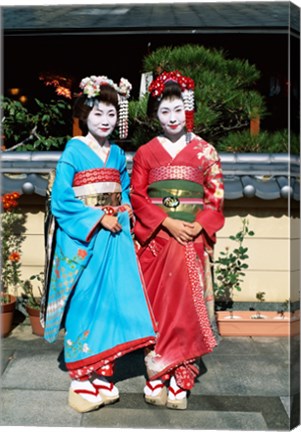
[178, 278]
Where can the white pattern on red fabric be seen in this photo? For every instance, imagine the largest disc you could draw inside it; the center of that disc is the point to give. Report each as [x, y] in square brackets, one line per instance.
[96, 176]
[175, 172]
[196, 278]
[185, 375]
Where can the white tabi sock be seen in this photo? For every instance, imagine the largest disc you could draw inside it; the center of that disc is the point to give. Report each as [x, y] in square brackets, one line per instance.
[153, 385]
[110, 390]
[86, 385]
[180, 394]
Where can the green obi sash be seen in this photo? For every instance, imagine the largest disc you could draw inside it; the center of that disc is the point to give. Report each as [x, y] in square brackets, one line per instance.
[180, 199]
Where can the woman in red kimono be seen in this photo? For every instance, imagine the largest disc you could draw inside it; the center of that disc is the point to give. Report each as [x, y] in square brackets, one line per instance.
[177, 197]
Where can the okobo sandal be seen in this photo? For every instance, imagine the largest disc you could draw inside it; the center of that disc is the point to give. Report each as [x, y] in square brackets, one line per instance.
[177, 397]
[176, 403]
[107, 390]
[80, 404]
[152, 396]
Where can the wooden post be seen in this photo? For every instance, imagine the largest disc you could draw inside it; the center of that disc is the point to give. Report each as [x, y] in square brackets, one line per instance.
[76, 131]
[255, 126]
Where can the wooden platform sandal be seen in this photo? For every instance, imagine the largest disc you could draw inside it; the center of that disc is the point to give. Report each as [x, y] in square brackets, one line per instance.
[80, 404]
[176, 403]
[108, 392]
[155, 399]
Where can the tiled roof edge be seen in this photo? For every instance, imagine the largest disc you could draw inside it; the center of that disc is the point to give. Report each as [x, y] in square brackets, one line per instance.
[265, 176]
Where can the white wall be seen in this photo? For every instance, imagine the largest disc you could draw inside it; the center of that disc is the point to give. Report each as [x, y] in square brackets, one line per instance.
[274, 251]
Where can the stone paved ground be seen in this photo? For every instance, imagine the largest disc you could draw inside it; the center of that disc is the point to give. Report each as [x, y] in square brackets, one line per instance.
[244, 385]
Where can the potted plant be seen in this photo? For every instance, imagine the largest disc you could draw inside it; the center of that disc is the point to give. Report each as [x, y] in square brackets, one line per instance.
[271, 323]
[229, 274]
[229, 269]
[260, 297]
[12, 237]
[33, 302]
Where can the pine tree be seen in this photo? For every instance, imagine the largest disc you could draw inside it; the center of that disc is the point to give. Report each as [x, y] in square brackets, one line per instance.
[224, 92]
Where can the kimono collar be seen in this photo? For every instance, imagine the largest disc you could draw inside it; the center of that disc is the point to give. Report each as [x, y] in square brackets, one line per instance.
[101, 151]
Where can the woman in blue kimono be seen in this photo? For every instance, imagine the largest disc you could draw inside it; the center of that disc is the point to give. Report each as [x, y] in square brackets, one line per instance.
[95, 291]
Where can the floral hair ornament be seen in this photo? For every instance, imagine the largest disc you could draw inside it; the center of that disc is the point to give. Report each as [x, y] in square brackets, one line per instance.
[91, 88]
[157, 86]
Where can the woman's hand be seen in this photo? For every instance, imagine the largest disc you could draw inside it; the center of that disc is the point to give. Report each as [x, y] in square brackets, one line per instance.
[182, 231]
[111, 223]
[197, 228]
[129, 210]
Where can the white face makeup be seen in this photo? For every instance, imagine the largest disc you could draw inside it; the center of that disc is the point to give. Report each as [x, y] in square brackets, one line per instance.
[171, 115]
[102, 120]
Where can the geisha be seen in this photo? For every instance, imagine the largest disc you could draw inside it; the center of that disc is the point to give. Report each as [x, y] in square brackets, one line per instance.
[177, 197]
[95, 288]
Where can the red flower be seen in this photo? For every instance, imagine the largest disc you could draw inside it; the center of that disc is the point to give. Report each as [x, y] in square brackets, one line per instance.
[9, 200]
[81, 253]
[157, 85]
[14, 257]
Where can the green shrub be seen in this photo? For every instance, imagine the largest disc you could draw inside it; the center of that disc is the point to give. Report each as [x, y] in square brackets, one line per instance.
[230, 268]
[46, 128]
[264, 142]
[224, 93]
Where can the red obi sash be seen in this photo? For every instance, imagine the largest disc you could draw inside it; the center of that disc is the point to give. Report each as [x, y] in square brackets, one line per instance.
[97, 175]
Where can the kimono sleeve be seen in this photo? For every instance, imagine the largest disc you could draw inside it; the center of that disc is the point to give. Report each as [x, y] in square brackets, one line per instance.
[211, 217]
[75, 218]
[149, 217]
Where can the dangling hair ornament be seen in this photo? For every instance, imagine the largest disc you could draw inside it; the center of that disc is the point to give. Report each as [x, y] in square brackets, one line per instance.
[91, 88]
[156, 89]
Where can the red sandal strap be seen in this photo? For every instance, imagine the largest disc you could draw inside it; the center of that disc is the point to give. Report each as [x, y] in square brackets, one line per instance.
[175, 392]
[150, 386]
[79, 391]
[104, 387]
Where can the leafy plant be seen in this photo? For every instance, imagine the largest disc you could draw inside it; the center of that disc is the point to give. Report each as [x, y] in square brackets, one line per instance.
[28, 291]
[260, 297]
[45, 128]
[230, 268]
[255, 105]
[16, 122]
[12, 237]
[287, 306]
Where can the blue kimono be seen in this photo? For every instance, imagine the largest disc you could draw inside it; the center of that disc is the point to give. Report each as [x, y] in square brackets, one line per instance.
[96, 290]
